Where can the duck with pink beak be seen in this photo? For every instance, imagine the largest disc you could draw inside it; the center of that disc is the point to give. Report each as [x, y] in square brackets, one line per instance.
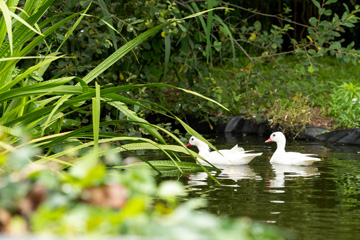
[280, 156]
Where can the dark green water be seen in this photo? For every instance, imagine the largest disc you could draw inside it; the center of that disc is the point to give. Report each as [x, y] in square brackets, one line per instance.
[317, 202]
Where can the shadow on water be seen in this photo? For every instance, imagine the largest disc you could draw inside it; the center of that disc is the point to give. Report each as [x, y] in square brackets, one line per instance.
[321, 201]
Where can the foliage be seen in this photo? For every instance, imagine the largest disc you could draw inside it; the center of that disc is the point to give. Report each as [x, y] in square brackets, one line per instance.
[90, 199]
[293, 116]
[48, 107]
[230, 56]
[149, 56]
[169, 168]
[345, 105]
[281, 77]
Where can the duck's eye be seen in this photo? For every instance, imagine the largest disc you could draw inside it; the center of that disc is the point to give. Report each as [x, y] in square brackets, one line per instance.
[192, 139]
[273, 135]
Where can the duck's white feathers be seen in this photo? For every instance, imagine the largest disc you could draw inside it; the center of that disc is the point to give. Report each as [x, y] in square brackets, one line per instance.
[280, 156]
[233, 156]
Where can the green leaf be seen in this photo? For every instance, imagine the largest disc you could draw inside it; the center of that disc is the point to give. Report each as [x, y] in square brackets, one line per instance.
[96, 117]
[132, 115]
[6, 15]
[228, 32]
[344, 16]
[311, 69]
[313, 21]
[165, 167]
[167, 41]
[347, 24]
[104, 65]
[205, 27]
[108, 19]
[335, 45]
[70, 32]
[24, 22]
[316, 3]
[257, 26]
[47, 60]
[312, 52]
[328, 12]
[330, 2]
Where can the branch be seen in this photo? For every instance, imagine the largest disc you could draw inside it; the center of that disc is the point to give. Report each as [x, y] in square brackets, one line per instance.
[251, 11]
[242, 49]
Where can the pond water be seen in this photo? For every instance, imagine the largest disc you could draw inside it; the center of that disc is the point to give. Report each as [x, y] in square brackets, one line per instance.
[321, 201]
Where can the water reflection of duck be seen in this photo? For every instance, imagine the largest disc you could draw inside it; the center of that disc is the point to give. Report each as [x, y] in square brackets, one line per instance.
[280, 156]
[234, 156]
[237, 172]
[287, 172]
[227, 172]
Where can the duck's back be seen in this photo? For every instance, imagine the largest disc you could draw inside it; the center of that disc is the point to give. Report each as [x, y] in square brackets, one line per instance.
[293, 158]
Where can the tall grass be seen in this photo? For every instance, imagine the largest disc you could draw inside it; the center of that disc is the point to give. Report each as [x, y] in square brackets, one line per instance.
[41, 107]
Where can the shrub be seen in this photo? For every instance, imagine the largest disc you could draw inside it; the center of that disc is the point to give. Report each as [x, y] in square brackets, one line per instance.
[344, 105]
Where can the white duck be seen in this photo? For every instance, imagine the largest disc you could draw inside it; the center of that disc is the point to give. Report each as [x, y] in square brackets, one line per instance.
[280, 156]
[234, 156]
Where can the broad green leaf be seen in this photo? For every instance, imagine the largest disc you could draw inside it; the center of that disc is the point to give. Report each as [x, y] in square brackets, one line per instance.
[347, 24]
[316, 3]
[335, 45]
[328, 12]
[330, 2]
[313, 21]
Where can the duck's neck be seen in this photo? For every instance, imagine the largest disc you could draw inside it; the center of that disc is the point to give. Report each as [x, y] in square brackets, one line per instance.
[280, 146]
[203, 148]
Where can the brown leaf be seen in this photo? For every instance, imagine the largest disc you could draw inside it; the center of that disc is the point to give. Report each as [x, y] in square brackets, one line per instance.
[32, 200]
[5, 218]
[113, 196]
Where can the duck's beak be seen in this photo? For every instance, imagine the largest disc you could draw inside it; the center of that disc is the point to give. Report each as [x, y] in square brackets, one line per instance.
[188, 144]
[269, 140]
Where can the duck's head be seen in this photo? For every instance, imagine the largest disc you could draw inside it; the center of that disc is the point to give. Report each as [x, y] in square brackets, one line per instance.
[198, 143]
[276, 137]
[193, 141]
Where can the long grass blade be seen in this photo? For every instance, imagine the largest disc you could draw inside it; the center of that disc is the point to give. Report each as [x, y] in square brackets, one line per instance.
[11, 6]
[209, 24]
[108, 20]
[132, 115]
[167, 41]
[228, 32]
[28, 71]
[7, 17]
[96, 117]
[70, 32]
[130, 45]
[24, 22]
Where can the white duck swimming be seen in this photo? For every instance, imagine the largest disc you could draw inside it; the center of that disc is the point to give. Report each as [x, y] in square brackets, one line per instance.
[280, 156]
[234, 156]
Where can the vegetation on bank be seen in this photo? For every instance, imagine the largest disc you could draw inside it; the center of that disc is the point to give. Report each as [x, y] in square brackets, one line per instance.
[241, 57]
[79, 81]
